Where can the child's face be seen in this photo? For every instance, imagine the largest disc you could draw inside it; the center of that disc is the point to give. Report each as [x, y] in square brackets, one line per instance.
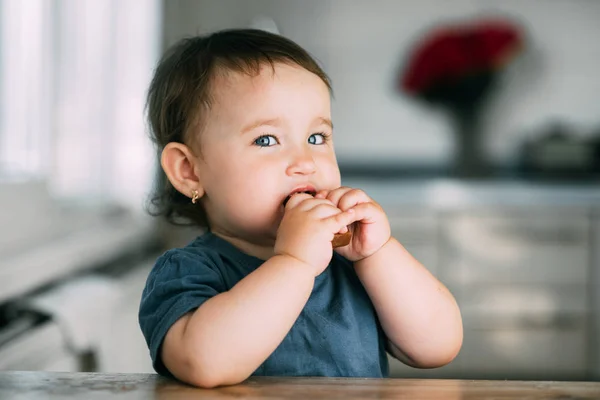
[265, 137]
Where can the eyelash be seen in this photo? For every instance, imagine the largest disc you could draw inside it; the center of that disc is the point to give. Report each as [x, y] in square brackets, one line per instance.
[264, 136]
[326, 138]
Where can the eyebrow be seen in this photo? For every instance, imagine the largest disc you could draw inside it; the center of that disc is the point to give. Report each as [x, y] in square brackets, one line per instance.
[262, 122]
[325, 121]
[276, 122]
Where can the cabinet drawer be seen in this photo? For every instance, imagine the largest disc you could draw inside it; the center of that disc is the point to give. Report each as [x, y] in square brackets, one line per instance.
[517, 247]
[547, 353]
[541, 354]
[534, 303]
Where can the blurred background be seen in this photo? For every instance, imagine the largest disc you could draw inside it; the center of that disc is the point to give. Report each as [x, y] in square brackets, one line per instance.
[476, 124]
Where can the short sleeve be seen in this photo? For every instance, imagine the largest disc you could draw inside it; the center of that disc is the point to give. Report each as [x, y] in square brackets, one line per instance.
[179, 283]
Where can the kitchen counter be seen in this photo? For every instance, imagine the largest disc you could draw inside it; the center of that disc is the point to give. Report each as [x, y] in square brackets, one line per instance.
[451, 194]
[58, 385]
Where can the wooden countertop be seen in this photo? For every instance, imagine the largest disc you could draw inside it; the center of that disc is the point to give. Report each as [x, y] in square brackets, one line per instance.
[64, 385]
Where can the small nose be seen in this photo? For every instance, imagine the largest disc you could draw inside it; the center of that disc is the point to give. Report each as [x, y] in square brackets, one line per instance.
[302, 163]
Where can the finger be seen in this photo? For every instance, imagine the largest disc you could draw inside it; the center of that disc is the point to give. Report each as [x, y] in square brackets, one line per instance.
[352, 198]
[296, 199]
[365, 212]
[322, 210]
[343, 230]
[307, 204]
[335, 195]
[310, 204]
[341, 220]
[322, 194]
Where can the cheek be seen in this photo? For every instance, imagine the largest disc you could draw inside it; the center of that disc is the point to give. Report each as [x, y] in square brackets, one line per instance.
[251, 202]
[330, 170]
[250, 186]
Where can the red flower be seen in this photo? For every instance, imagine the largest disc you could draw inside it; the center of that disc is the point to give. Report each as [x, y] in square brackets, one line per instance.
[450, 54]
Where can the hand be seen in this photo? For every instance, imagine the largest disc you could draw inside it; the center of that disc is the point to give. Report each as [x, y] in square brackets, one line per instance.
[371, 227]
[307, 229]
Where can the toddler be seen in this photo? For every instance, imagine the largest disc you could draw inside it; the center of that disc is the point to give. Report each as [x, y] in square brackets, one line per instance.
[242, 119]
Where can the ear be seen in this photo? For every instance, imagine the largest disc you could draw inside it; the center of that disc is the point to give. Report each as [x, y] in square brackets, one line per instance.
[180, 166]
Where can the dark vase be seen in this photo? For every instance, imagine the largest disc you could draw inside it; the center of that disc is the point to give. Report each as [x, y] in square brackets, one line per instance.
[464, 99]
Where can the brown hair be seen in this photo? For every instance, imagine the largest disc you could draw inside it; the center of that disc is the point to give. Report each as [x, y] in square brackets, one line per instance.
[179, 96]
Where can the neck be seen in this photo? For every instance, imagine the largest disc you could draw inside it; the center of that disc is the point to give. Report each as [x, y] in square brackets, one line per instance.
[263, 250]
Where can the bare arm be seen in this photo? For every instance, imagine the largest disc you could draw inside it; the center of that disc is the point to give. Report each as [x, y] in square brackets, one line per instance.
[418, 314]
[231, 334]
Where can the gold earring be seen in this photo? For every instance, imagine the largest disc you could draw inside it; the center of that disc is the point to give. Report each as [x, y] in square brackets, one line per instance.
[195, 196]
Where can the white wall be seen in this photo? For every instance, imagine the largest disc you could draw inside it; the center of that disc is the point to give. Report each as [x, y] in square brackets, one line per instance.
[361, 45]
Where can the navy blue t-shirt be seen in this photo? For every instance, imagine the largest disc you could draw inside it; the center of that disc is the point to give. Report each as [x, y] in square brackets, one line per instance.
[337, 334]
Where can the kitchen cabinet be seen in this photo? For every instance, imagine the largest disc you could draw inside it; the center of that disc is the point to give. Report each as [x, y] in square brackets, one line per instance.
[517, 245]
[522, 277]
[126, 349]
[54, 254]
[593, 338]
[41, 348]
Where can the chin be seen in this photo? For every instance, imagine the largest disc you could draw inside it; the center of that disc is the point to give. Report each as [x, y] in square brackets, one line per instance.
[261, 235]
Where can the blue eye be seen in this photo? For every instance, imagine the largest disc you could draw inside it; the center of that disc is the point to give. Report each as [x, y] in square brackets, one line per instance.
[317, 138]
[265, 141]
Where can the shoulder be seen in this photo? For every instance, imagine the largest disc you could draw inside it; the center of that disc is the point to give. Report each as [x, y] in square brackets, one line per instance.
[192, 259]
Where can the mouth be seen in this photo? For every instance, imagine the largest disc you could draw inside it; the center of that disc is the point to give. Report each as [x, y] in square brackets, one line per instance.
[307, 190]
